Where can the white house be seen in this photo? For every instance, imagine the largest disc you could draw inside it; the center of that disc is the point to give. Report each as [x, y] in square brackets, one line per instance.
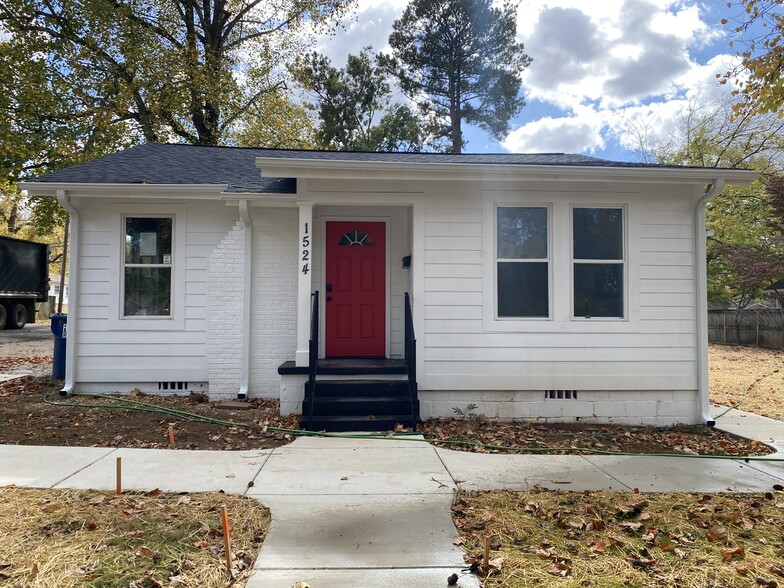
[545, 286]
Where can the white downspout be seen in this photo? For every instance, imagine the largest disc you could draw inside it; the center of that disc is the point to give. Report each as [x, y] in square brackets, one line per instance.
[73, 292]
[701, 267]
[247, 291]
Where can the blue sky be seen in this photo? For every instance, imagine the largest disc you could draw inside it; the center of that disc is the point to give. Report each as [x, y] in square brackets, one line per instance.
[603, 71]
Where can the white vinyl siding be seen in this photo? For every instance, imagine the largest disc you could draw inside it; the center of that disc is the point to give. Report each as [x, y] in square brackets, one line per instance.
[467, 348]
[163, 349]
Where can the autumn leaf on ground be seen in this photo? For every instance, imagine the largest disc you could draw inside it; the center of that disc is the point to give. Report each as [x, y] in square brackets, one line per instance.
[496, 563]
[560, 568]
[717, 533]
[730, 554]
[145, 551]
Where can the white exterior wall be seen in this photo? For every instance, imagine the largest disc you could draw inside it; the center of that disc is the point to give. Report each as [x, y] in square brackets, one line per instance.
[225, 286]
[639, 369]
[117, 355]
[274, 297]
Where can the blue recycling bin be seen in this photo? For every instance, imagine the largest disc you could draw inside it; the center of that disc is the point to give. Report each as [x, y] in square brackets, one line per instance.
[60, 332]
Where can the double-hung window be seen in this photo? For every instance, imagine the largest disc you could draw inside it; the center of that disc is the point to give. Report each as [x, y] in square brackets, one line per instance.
[522, 262]
[147, 266]
[598, 259]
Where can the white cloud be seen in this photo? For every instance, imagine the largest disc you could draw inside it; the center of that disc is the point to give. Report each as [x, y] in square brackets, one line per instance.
[370, 25]
[601, 71]
[572, 134]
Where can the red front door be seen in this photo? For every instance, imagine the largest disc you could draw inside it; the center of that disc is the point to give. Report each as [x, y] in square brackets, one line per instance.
[355, 289]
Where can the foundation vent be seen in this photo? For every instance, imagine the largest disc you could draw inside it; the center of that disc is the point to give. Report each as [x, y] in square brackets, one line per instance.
[560, 394]
[172, 385]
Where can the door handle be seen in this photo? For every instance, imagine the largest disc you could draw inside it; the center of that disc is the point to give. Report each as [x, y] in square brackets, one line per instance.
[329, 298]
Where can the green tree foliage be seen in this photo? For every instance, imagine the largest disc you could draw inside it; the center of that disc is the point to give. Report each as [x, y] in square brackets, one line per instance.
[275, 122]
[47, 121]
[81, 78]
[760, 75]
[353, 106]
[459, 61]
[746, 239]
[174, 68]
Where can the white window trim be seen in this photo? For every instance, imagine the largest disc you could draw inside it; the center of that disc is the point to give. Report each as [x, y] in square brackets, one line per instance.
[548, 260]
[490, 321]
[176, 320]
[624, 262]
[124, 265]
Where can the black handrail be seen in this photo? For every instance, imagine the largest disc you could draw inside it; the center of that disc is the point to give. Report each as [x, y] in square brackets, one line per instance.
[313, 354]
[410, 351]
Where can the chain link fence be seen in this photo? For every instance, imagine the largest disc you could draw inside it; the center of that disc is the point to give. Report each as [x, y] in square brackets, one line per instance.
[751, 327]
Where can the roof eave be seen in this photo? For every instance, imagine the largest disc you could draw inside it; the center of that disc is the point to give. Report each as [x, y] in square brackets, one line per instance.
[191, 191]
[345, 169]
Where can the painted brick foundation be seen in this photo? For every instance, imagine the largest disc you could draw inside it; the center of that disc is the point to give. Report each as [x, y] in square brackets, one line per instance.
[659, 408]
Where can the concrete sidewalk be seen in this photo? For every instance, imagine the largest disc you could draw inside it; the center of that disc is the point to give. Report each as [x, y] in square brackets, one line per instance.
[359, 512]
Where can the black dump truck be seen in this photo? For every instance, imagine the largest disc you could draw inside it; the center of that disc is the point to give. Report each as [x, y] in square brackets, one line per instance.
[24, 280]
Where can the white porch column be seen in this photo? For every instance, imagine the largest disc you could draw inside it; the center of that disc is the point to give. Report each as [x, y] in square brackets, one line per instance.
[304, 267]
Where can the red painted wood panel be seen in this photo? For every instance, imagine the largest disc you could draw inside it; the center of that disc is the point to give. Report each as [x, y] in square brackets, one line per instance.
[356, 274]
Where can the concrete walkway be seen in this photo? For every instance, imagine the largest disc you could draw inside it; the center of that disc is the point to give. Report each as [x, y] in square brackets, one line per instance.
[358, 512]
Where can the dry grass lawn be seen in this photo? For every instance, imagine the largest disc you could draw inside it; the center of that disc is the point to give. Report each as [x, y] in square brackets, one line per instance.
[606, 539]
[65, 538]
[736, 370]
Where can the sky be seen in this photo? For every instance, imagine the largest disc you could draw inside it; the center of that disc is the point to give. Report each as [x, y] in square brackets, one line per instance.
[604, 72]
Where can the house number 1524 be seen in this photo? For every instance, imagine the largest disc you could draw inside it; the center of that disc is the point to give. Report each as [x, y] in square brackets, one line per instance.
[305, 250]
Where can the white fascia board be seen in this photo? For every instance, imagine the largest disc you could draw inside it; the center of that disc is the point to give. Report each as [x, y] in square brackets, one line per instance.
[260, 199]
[177, 191]
[374, 170]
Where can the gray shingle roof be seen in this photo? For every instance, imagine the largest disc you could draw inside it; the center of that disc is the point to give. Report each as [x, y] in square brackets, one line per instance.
[155, 163]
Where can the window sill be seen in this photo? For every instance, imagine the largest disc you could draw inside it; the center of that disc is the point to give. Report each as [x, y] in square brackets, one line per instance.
[147, 324]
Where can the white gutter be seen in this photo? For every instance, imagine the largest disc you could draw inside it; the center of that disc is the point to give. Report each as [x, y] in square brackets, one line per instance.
[73, 292]
[397, 170]
[247, 291]
[701, 268]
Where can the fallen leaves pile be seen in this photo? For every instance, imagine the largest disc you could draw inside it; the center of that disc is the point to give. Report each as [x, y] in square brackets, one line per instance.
[546, 538]
[583, 438]
[70, 538]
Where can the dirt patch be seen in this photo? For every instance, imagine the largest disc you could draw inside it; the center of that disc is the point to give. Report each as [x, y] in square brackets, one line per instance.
[29, 417]
[33, 413]
[70, 538]
[749, 376]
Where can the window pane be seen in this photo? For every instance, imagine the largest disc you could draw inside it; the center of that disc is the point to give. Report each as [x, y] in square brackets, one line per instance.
[522, 233]
[598, 289]
[147, 291]
[523, 289]
[598, 233]
[148, 240]
[356, 238]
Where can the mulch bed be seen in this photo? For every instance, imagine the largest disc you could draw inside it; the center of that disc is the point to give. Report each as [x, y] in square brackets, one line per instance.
[27, 419]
